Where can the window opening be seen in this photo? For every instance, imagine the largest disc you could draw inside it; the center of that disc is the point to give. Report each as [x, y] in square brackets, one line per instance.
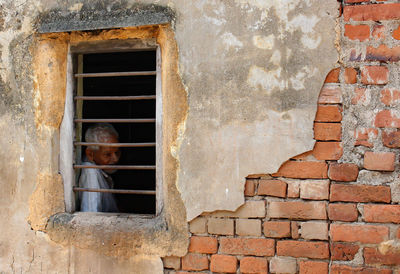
[120, 88]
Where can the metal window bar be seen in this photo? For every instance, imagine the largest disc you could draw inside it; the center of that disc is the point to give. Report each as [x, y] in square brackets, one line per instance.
[124, 167]
[147, 120]
[115, 144]
[116, 191]
[115, 74]
[115, 98]
[80, 98]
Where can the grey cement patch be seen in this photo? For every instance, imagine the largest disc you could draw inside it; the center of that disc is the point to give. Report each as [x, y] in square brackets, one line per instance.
[103, 17]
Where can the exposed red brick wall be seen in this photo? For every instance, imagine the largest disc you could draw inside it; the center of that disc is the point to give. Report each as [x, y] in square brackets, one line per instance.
[327, 210]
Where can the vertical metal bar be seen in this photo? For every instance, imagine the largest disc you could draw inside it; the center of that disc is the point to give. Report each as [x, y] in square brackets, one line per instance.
[159, 135]
[79, 110]
[78, 114]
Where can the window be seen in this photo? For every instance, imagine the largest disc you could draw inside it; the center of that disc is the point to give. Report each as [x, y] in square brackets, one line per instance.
[119, 84]
[120, 235]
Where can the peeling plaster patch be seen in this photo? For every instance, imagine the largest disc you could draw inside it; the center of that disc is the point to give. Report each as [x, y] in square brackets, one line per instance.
[281, 7]
[288, 53]
[215, 21]
[179, 139]
[264, 42]
[311, 41]
[266, 80]
[76, 7]
[297, 82]
[276, 58]
[306, 24]
[46, 200]
[231, 41]
[5, 40]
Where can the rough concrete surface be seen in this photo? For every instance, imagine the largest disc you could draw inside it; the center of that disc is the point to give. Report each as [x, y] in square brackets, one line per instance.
[252, 85]
[251, 71]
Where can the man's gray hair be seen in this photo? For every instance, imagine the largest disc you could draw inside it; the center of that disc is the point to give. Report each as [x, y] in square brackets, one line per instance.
[98, 132]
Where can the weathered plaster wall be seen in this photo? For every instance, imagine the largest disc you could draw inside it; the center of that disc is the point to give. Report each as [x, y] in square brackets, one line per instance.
[252, 72]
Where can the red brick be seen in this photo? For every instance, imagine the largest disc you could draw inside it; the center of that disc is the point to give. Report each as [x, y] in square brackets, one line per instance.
[374, 12]
[386, 118]
[303, 170]
[313, 250]
[328, 150]
[367, 234]
[358, 32]
[359, 193]
[248, 227]
[314, 230]
[330, 95]
[327, 131]
[283, 265]
[313, 267]
[343, 212]
[294, 229]
[220, 226]
[194, 262]
[303, 156]
[390, 96]
[343, 172]
[277, 229]
[297, 210]
[373, 256]
[172, 262]
[361, 95]
[374, 75]
[255, 176]
[345, 269]
[330, 113]
[365, 136]
[350, 76]
[206, 245]
[186, 272]
[355, 1]
[293, 190]
[383, 53]
[382, 213]
[223, 263]
[343, 252]
[253, 265]
[314, 189]
[198, 225]
[275, 188]
[396, 33]
[378, 32]
[391, 139]
[250, 187]
[245, 246]
[250, 209]
[383, 161]
[333, 76]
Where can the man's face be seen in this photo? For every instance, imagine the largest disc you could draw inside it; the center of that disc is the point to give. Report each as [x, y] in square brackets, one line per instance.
[105, 155]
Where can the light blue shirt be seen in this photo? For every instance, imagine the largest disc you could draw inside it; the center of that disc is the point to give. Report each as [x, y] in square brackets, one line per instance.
[96, 201]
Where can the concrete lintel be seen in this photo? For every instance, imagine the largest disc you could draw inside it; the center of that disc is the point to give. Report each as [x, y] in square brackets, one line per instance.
[89, 19]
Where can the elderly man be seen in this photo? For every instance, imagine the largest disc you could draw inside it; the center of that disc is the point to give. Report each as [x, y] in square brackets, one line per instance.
[97, 178]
